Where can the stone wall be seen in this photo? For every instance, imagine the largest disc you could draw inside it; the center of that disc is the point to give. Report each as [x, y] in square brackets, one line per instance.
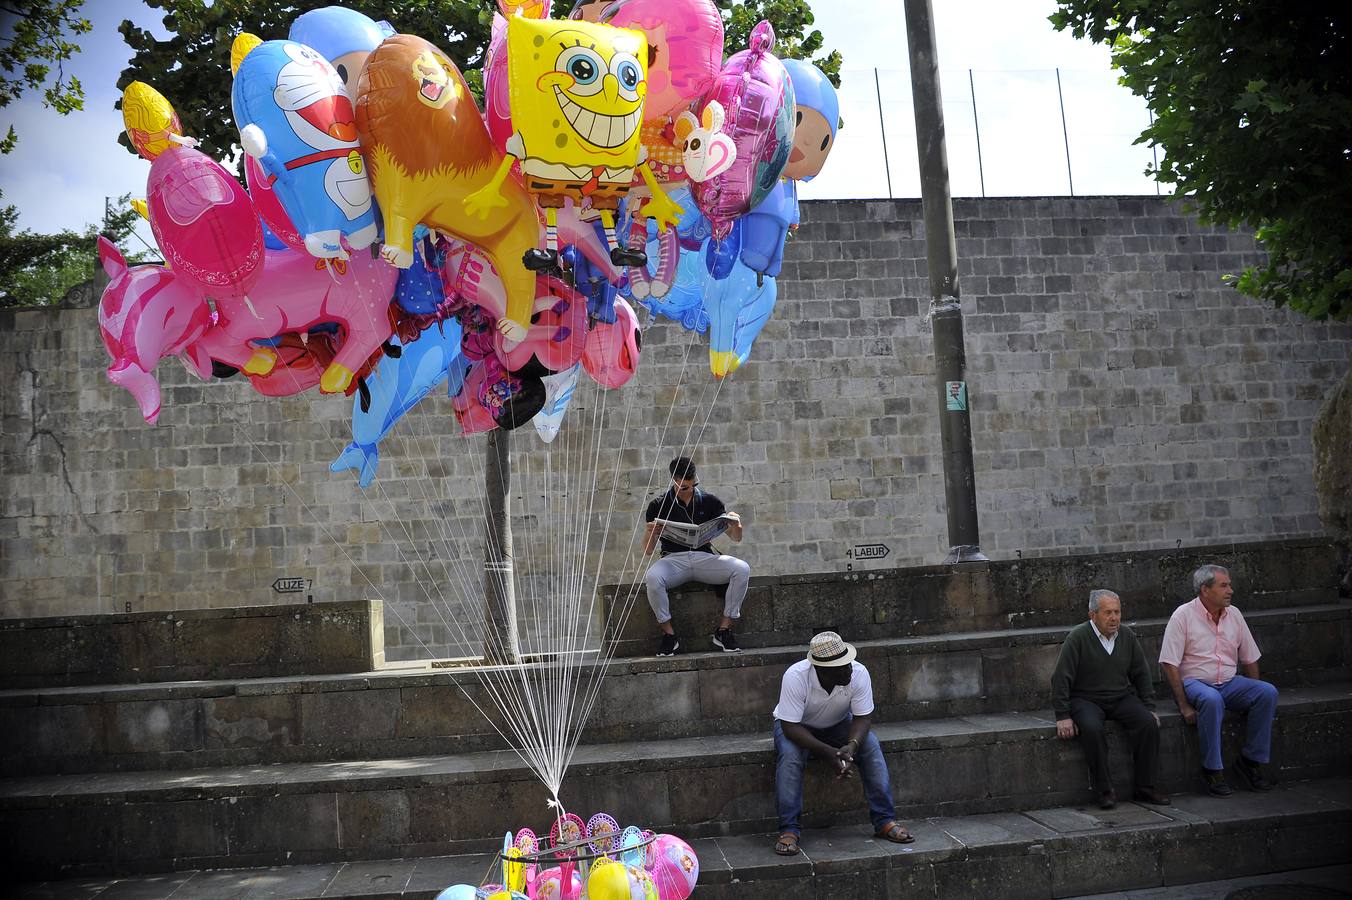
[1122, 399]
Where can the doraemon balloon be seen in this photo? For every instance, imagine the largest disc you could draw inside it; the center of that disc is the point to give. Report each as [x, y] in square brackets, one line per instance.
[295, 118]
[343, 36]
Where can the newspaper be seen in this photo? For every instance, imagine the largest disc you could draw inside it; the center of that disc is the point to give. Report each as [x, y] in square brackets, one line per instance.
[694, 536]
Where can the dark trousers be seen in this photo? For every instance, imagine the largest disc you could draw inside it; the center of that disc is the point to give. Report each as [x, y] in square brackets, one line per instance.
[1141, 728]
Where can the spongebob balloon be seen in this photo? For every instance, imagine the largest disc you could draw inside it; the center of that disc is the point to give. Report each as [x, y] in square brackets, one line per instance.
[577, 102]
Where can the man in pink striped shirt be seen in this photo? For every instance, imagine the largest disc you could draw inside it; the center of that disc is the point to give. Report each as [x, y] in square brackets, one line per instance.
[1205, 644]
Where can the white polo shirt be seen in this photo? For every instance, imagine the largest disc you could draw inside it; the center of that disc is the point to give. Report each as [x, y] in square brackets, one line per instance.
[803, 701]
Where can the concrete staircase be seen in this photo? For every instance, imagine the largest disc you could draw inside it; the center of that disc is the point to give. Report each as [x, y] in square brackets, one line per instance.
[391, 784]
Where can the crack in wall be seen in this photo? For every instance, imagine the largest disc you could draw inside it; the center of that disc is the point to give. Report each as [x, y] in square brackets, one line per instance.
[32, 371]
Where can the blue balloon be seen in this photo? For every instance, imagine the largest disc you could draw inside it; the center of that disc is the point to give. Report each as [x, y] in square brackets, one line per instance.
[738, 308]
[591, 282]
[319, 179]
[419, 289]
[458, 892]
[765, 228]
[395, 387]
[812, 89]
[335, 31]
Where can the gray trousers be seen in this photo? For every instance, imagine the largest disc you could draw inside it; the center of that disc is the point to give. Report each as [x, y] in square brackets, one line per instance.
[676, 569]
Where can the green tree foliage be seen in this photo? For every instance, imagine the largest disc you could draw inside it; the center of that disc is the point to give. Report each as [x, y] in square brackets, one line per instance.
[35, 35]
[38, 269]
[1252, 102]
[792, 20]
[192, 68]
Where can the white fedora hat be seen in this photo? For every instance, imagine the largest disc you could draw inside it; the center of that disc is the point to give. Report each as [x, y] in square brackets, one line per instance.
[827, 649]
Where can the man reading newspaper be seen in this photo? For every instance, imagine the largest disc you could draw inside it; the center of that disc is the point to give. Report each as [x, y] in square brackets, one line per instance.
[682, 522]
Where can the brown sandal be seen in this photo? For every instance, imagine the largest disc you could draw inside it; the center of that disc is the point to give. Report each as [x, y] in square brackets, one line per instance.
[787, 845]
[895, 832]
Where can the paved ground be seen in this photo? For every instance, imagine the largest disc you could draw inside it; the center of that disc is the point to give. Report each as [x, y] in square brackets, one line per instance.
[1329, 883]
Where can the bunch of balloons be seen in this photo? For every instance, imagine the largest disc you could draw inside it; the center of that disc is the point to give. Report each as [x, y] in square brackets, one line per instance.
[393, 236]
[593, 860]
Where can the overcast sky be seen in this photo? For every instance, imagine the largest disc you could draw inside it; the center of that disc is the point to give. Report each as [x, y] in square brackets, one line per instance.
[63, 168]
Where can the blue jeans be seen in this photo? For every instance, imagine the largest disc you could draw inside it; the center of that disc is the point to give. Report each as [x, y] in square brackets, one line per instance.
[789, 762]
[1257, 699]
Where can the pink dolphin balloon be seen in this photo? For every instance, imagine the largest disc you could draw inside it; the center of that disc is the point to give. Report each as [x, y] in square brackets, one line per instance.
[754, 111]
[146, 314]
[204, 222]
[297, 292]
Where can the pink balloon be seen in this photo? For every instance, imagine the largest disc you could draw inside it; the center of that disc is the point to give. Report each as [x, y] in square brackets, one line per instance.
[296, 292]
[146, 314]
[549, 885]
[685, 46]
[204, 222]
[269, 207]
[612, 351]
[756, 97]
[675, 867]
[557, 334]
[497, 89]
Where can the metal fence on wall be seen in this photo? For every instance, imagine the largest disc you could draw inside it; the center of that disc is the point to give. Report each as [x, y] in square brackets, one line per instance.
[1043, 132]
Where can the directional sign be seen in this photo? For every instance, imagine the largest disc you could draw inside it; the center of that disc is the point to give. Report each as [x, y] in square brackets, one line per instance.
[290, 585]
[868, 551]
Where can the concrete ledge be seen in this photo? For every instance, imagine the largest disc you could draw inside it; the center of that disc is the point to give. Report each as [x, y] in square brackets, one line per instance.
[702, 787]
[237, 642]
[1041, 853]
[1041, 591]
[188, 725]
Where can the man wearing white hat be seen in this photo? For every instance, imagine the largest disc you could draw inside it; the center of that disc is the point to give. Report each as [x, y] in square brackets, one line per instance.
[824, 710]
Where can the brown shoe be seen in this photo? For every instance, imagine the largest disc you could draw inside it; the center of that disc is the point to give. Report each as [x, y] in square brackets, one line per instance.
[1151, 796]
[1108, 799]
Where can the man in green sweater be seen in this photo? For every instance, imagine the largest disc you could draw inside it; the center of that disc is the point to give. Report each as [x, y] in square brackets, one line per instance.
[1102, 674]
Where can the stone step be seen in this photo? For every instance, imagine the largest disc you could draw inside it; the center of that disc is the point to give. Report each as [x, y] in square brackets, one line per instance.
[877, 604]
[1039, 853]
[381, 715]
[702, 787]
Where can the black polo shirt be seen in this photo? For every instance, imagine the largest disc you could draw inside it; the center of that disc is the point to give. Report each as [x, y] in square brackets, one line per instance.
[703, 508]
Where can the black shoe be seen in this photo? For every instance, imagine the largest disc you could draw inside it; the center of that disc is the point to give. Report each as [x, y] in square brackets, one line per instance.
[1108, 799]
[538, 260]
[1252, 774]
[726, 641]
[622, 257]
[668, 646]
[1215, 783]
[1151, 796]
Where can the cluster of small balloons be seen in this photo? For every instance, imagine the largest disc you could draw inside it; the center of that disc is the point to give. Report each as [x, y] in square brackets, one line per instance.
[619, 160]
[595, 860]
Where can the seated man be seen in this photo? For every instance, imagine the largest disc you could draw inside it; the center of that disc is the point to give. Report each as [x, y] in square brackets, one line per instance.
[824, 710]
[1102, 674]
[678, 565]
[1205, 643]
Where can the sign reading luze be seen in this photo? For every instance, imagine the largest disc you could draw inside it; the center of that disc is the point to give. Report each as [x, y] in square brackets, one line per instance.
[289, 585]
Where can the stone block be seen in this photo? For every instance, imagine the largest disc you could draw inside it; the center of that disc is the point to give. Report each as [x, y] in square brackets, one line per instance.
[1016, 876]
[155, 726]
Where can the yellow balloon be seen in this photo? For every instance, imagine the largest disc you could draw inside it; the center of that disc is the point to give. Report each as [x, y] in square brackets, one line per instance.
[150, 119]
[608, 883]
[577, 102]
[243, 43]
[514, 873]
[141, 209]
